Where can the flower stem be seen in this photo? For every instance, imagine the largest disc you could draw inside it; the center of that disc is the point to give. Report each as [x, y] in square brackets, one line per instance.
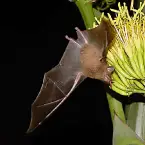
[86, 10]
[135, 114]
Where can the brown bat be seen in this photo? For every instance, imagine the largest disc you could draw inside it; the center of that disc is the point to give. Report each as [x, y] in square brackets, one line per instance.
[84, 57]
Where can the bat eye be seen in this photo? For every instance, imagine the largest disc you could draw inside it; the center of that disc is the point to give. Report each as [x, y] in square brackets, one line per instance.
[110, 69]
[102, 59]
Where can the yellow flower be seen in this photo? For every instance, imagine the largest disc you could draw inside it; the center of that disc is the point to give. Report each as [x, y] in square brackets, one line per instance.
[127, 53]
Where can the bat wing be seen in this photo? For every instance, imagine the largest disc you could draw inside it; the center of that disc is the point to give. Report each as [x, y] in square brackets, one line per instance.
[58, 84]
[61, 80]
[102, 35]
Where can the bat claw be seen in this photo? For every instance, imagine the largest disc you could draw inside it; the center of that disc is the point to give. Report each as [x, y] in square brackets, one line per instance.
[72, 40]
[77, 29]
[68, 38]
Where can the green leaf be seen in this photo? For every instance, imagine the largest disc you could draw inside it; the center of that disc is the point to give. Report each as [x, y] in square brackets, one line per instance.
[135, 117]
[124, 135]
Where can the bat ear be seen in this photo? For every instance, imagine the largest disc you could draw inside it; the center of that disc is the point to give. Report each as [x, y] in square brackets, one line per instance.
[110, 69]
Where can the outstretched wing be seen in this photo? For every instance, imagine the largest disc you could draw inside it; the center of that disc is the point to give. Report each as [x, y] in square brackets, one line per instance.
[58, 83]
[61, 80]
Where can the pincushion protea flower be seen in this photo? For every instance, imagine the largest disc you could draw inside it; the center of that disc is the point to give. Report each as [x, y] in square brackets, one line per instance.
[127, 53]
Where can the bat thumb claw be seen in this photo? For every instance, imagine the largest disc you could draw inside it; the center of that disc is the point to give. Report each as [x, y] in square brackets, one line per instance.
[77, 29]
[66, 36]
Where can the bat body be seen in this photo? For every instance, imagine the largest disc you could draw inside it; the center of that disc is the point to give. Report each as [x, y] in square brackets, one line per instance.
[84, 57]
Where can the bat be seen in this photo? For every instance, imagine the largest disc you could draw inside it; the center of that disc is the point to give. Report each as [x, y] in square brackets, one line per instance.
[84, 57]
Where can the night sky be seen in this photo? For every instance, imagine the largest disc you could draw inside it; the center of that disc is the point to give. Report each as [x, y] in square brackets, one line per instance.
[35, 41]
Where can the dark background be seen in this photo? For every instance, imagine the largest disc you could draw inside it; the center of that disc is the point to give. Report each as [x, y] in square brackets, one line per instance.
[34, 42]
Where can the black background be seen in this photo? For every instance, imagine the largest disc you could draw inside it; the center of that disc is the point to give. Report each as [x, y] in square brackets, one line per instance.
[34, 43]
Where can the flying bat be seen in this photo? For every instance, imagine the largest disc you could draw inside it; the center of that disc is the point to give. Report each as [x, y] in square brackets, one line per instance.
[84, 57]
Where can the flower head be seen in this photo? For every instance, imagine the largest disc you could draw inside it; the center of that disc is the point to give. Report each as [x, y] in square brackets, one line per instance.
[127, 52]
